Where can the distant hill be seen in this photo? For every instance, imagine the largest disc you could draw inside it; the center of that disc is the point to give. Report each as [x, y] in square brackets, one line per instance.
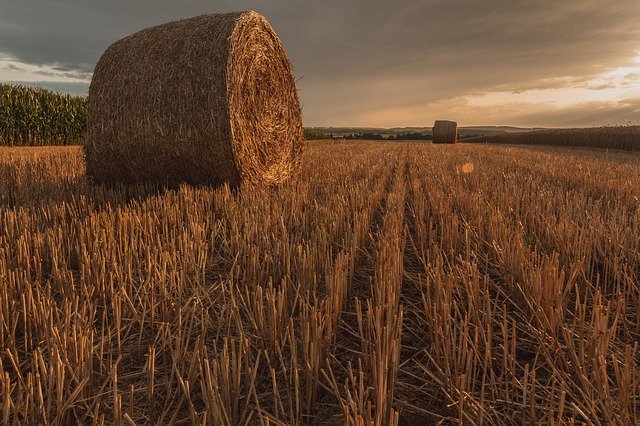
[499, 129]
[463, 132]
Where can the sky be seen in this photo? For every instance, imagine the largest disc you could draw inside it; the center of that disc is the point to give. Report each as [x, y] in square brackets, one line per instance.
[375, 63]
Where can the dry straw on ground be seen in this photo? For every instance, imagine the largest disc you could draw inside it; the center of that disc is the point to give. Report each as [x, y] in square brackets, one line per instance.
[205, 100]
[382, 289]
[445, 131]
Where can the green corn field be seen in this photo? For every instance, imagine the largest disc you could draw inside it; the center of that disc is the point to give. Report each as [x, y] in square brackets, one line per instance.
[31, 116]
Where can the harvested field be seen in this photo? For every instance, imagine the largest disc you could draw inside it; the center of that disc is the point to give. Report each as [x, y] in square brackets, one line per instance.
[394, 283]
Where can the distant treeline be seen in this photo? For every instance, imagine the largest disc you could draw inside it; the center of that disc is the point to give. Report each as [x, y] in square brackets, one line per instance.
[407, 136]
[31, 116]
[314, 134]
[613, 137]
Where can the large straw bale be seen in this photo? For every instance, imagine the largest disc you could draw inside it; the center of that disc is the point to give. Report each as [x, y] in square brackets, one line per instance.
[445, 131]
[205, 100]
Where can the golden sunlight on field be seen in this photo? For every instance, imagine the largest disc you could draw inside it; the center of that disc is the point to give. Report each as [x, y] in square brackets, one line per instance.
[396, 282]
[464, 168]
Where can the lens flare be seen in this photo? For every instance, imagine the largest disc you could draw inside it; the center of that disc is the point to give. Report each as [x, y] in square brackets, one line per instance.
[464, 168]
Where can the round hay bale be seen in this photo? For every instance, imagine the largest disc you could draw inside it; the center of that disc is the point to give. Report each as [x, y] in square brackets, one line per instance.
[445, 131]
[205, 100]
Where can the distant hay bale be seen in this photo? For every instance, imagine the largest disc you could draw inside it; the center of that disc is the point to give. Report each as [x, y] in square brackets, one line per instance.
[204, 100]
[445, 131]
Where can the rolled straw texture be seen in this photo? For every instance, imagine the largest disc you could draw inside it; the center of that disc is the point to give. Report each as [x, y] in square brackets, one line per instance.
[445, 131]
[205, 100]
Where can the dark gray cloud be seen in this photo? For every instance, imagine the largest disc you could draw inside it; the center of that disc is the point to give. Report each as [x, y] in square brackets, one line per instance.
[360, 58]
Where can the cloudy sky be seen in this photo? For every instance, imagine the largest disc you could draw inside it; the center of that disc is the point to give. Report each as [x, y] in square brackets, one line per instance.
[381, 63]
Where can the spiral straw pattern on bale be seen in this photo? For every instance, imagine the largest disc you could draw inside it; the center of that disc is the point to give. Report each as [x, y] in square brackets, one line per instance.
[205, 100]
[445, 131]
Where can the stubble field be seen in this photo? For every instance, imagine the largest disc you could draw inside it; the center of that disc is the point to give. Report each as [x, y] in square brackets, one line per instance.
[391, 283]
